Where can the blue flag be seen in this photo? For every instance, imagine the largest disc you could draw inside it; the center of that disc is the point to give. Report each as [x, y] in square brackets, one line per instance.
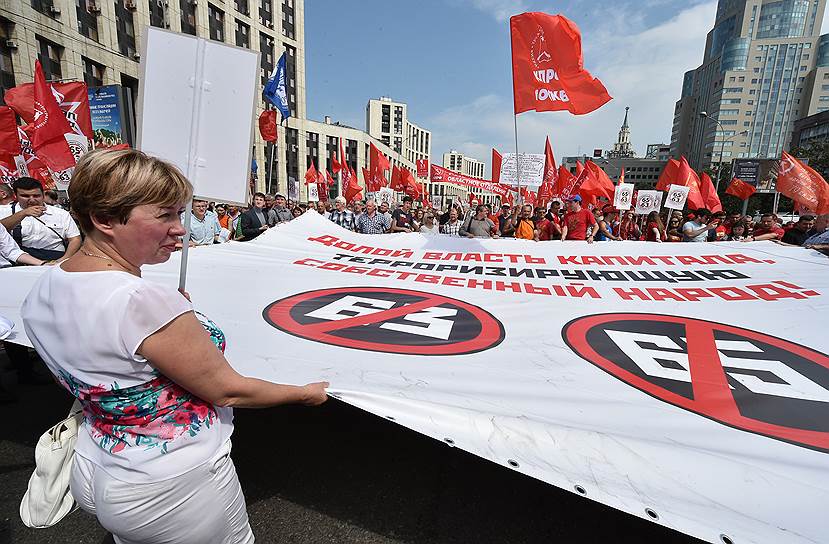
[275, 92]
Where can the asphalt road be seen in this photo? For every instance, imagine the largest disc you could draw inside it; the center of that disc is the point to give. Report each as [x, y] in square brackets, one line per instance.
[337, 474]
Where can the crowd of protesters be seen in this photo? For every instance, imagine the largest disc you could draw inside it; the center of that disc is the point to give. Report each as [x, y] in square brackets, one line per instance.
[215, 223]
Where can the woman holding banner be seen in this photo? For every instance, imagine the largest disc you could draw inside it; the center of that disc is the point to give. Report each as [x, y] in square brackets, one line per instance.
[152, 458]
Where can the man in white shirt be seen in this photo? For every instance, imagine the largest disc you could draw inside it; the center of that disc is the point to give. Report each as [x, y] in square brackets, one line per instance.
[43, 231]
[204, 224]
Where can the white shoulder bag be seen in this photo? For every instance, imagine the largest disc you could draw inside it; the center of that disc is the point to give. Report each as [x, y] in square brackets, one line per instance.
[48, 499]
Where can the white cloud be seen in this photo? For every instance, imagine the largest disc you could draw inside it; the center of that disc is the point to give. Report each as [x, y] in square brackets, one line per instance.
[500, 9]
[642, 69]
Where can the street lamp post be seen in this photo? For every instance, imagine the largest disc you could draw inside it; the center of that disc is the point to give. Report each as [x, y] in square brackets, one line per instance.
[705, 115]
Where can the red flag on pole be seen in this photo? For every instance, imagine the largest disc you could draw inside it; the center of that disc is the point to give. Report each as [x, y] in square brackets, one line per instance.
[377, 161]
[709, 193]
[9, 138]
[422, 168]
[410, 185]
[548, 67]
[73, 98]
[668, 176]
[802, 184]
[740, 189]
[397, 181]
[496, 166]
[49, 126]
[565, 180]
[267, 125]
[311, 175]
[597, 184]
[352, 187]
[622, 176]
[687, 177]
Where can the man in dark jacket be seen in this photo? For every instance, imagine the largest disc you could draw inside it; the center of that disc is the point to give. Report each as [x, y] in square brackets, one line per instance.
[255, 220]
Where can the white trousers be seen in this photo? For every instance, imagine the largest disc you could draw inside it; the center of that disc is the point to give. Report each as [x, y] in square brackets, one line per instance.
[204, 505]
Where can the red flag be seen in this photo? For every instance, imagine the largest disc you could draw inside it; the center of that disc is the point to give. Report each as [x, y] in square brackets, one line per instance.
[397, 181]
[597, 183]
[335, 165]
[740, 189]
[687, 177]
[352, 186]
[802, 184]
[410, 186]
[311, 175]
[550, 180]
[49, 127]
[528, 197]
[378, 162]
[267, 125]
[329, 179]
[622, 177]
[565, 179]
[422, 168]
[709, 194]
[496, 166]
[668, 176]
[73, 98]
[374, 181]
[9, 139]
[548, 67]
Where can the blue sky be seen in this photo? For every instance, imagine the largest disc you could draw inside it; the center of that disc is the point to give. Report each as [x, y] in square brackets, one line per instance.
[449, 60]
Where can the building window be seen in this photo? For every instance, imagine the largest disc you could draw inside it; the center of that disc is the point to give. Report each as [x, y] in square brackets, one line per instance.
[125, 27]
[188, 16]
[288, 23]
[87, 11]
[158, 14]
[49, 55]
[216, 23]
[266, 13]
[242, 6]
[46, 7]
[93, 73]
[242, 35]
[266, 56]
[6, 66]
[290, 76]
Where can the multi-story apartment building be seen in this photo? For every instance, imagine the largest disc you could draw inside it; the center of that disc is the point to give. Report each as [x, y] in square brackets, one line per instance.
[99, 42]
[388, 121]
[764, 66]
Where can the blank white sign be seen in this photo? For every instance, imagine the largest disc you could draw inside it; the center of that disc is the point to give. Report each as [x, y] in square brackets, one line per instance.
[197, 100]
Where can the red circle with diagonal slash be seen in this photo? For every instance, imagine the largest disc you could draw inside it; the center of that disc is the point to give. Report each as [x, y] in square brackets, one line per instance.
[282, 314]
[712, 392]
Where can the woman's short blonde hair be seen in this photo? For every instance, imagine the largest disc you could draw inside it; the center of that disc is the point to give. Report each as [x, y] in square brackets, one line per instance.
[109, 184]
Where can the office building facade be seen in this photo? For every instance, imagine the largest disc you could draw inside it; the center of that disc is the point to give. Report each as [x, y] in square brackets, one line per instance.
[765, 66]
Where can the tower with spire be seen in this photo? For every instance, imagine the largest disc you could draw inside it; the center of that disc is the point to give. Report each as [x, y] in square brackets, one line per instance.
[623, 149]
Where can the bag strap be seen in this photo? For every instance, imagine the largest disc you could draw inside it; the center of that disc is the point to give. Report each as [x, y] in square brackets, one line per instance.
[17, 232]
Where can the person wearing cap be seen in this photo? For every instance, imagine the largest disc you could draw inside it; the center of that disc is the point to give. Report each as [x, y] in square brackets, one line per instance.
[576, 221]
[280, 213]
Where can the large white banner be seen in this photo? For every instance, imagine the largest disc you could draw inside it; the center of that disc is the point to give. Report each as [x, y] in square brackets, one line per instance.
[687, 384]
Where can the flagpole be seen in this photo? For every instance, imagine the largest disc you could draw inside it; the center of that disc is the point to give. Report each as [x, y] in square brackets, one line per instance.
[192, 159]
[515, 121]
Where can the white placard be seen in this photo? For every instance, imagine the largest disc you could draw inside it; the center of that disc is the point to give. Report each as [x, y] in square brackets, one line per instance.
[313, 193]
[677, 195]
[437, 202]
[20, 164]
[197, 98]
[623, 196]
[648, 201]
[386, 195]
[532, 169]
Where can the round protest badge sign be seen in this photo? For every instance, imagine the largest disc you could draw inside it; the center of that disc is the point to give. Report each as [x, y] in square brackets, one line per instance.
[741, 378]
[388, 320]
